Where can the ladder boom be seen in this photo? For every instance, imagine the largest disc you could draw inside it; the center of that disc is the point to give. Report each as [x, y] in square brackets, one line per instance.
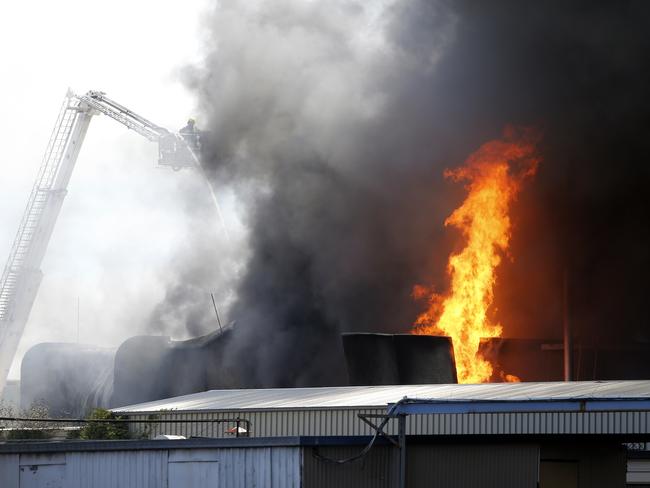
[22, 276]
[173, 150]
[124, 116]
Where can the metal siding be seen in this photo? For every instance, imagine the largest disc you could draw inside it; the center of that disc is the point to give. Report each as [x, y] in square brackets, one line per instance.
[271, 467]
[9, 470]
[41, 459]
[119, 469]
[267, 467]
[469, 466]
[335, 422]
[462, 466]
[198, 474]
[600, 465]
[378, 469]
[44, 476]
[638, 471]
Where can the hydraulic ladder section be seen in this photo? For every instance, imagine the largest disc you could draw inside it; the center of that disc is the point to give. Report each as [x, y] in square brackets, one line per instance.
[22, 276]
[99, 101]
[172, 150]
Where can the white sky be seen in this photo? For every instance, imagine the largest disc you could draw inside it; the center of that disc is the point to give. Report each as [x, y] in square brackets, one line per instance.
[123, 218]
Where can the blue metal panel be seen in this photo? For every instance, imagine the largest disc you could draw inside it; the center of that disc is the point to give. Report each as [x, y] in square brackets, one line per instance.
[548, 406]
[193, 474]
[47, 470]
[243, 467]
[45, 476]
[9, 469]
[123, 469]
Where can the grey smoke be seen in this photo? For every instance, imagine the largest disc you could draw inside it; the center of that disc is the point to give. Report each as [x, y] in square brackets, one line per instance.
[299, 94]
[207, 265]
[333, 121]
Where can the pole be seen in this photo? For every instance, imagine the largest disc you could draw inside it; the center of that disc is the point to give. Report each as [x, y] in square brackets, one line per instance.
[78, 307]
[567, 342]
[401, 420]
[214, 304]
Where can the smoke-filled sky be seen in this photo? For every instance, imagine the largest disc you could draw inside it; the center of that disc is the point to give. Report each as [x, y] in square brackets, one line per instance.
[330, 125]
[336, 120]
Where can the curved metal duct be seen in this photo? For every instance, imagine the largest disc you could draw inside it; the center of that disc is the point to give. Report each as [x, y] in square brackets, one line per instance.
[68, 379]
[139, 375]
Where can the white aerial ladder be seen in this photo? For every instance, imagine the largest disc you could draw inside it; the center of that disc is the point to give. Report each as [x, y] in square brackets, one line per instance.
[22, 275]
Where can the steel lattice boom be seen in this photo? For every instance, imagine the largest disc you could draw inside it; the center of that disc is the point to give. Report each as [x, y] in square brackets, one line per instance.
[22, 276]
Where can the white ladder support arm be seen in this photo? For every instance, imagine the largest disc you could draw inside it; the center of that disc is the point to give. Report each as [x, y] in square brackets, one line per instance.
[123, 115]
[22, 276]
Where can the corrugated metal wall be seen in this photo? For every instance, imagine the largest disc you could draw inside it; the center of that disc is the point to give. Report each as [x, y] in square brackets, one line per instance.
[638, 472]
[9, 470]
[599, 465]
[267, 467]
[378, 469]
[448, 466]
[141, 469]
[532, 423]
[275, 423]
[457, 465]
[470, 466]
[268, 423]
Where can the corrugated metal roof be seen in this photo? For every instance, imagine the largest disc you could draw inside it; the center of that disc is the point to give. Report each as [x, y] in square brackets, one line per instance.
[380, 396]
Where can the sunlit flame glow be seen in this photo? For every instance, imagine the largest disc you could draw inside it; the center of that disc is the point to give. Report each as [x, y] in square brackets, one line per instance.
[493, 176]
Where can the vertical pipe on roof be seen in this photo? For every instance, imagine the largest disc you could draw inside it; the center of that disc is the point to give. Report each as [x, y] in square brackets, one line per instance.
[566, 322]
[402, 451]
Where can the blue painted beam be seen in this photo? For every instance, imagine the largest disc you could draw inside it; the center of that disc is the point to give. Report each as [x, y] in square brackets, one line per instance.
[418, 407]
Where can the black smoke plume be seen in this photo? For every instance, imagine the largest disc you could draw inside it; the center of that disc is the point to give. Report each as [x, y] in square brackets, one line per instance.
[335, 120]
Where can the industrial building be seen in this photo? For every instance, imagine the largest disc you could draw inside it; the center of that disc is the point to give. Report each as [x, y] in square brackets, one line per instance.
[333, 411]
[285, 462]
[501, 434]
[491, 435]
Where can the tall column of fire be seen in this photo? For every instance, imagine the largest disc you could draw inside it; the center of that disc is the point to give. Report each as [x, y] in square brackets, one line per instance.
[494, 175]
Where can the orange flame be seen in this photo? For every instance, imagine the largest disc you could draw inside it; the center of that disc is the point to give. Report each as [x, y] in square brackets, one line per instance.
[494, 174]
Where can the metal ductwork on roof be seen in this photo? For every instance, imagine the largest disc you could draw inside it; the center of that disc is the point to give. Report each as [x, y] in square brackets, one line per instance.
[425, 359]
[152, 367]
[371, 359]
[67, 379]
[139, 370]
[387, 359]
